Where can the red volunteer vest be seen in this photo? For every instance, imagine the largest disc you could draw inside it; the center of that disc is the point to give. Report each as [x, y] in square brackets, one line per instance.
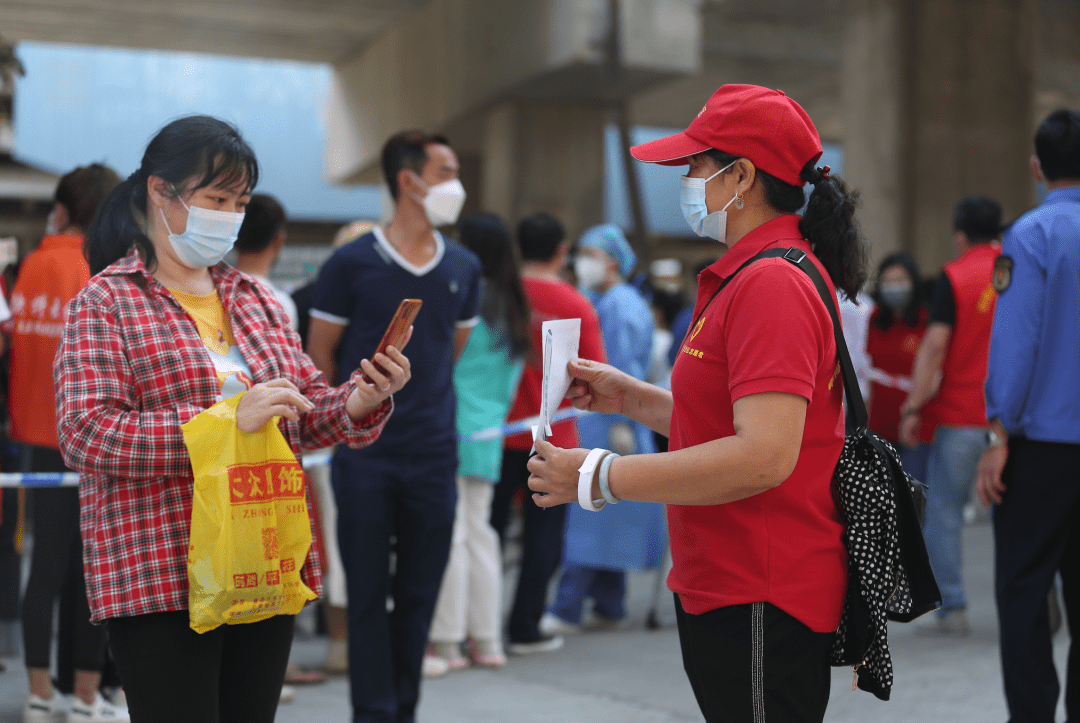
[961, 401]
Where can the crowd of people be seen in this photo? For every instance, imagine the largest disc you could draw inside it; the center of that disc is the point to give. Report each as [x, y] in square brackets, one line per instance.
[724, 414]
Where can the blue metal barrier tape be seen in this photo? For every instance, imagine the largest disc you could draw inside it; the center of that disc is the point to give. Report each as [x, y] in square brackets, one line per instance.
[71, 479]
[312, 460]
[40, 479]
[521, 425]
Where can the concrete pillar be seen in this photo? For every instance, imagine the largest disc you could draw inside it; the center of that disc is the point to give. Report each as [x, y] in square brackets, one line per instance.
[545, 156]
[498, 187]
[938, 99]
[870, 99]
[972, 101]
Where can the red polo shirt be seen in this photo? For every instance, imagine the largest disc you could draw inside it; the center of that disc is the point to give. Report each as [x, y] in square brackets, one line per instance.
[768, 331]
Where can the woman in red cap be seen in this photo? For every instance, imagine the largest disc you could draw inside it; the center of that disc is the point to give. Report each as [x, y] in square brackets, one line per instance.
[754, 415]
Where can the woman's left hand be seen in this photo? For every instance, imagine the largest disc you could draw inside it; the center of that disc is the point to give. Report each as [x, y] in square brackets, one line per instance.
[554, 478]
[391, 374]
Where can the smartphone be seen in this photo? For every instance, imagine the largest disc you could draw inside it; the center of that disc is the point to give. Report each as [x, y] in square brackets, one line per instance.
[397, 330]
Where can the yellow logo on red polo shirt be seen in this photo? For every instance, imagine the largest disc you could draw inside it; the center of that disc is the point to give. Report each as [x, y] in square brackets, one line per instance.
[697, 329]
[687, 349]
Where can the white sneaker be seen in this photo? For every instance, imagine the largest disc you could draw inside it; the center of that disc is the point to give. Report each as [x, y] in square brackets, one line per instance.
[552, 624]
[100, 711]
[46, 710]
[543, 645]
[434, 666]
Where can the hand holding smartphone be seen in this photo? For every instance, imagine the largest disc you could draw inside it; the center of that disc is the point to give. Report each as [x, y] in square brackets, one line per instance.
[397, 331]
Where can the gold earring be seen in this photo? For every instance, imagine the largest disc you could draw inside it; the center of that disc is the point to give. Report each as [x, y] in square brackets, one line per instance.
[739, 202]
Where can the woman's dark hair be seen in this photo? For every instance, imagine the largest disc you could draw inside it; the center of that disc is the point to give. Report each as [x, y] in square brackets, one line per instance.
[828, 222]
[1057, 145]
[504, 306]
[198, 146]
[264, 217]
[407, 149]
[885, 315]
[81, 191]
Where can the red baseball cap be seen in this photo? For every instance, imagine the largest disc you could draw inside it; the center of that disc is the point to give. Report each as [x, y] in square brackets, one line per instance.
[761, 124]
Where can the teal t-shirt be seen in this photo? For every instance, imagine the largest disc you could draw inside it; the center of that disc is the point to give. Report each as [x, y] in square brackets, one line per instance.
[485, 380]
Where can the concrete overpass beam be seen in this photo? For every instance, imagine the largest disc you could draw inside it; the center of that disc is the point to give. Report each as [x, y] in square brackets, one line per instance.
[455, 59]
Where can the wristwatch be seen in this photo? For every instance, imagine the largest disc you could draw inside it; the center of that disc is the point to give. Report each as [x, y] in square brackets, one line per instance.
[993, 440]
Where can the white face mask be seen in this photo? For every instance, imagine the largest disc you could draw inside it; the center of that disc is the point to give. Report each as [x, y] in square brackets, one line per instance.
[696, 212]
[443, 202]
[590, 272]
[208, 236]
[896, 296]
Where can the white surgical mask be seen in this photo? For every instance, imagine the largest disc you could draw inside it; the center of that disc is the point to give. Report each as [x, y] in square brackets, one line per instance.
[590, 272]
[696, 212]
[896, 296]
[208, 236]
[443, 202]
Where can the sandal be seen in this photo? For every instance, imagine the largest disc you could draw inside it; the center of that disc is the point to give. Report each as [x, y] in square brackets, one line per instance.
[295, 675]
[485, 659]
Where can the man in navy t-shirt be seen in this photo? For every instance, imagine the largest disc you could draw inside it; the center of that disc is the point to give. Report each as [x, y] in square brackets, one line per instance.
[403, 486]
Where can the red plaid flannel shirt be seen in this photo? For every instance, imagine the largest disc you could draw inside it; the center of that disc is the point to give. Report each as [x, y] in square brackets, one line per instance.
[130, 370]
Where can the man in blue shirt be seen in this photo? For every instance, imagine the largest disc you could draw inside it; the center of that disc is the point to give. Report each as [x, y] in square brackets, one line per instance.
[403, 486]
[1031, 471]
[599, 549]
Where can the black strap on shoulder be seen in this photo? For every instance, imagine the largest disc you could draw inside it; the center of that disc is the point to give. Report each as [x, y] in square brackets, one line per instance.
[851, 383]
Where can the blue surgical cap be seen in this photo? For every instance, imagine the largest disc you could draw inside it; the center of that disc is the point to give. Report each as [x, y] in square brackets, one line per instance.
[610, 239]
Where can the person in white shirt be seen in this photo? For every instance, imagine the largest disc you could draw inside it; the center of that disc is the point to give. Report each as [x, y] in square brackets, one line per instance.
[262, 236]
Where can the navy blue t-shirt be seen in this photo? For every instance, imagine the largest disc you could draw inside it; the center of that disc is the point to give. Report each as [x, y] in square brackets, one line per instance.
[360, 287]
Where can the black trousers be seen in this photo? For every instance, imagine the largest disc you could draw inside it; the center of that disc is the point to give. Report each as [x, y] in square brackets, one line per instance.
[755, 663]
[171, 674]
[1036, 536]
[411, 500]
[11, 530]
[56, 572]
[541, 550]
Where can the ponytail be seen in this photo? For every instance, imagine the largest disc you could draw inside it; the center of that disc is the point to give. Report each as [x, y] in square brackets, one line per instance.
[828, 223]
[196, 147]
[115, 228]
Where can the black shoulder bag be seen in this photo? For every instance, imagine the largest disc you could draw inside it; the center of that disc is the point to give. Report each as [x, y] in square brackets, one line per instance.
[889, 575]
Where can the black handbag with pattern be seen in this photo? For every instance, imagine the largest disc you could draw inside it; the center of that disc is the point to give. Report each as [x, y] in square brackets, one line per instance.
[889, 575]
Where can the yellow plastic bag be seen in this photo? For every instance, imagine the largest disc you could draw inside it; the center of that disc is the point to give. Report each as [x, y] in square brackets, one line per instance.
[250, 531]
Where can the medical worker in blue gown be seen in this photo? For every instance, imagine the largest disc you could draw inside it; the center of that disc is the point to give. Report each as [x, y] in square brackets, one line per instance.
[600, 549]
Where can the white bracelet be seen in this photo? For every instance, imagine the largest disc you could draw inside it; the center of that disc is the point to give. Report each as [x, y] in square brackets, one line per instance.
[585, 478]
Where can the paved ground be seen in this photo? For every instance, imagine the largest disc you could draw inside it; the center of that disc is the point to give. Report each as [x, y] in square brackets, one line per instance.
[633, 675]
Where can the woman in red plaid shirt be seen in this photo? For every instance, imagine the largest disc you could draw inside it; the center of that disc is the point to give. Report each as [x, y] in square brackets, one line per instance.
[162, 332]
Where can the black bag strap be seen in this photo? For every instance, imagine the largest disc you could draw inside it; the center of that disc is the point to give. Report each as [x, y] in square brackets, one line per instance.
[851, 383]
[769, 254]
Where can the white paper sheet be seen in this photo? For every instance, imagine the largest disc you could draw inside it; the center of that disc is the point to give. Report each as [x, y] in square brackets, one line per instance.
[560, 345]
